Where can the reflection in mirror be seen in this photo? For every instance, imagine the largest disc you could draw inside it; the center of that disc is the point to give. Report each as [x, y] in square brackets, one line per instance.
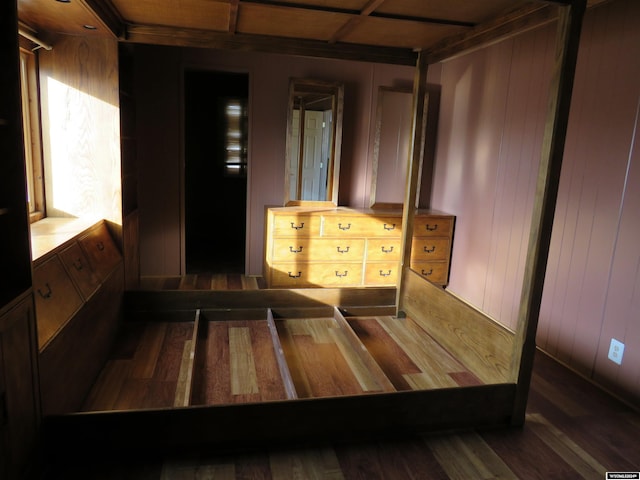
[391, 147]
[314, 138]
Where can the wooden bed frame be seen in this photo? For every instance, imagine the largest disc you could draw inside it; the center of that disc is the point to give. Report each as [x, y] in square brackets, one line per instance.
[500, 358]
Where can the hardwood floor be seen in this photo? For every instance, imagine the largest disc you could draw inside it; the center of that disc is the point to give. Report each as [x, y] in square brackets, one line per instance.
[572, 430]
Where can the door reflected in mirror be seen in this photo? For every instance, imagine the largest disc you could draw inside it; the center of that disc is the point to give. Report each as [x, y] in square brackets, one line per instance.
[314, 138]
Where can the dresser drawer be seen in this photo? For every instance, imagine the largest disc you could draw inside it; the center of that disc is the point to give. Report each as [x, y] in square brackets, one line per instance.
[432, 226]
[76, 263]
[305, 249]
[430, 248]
[316, 274]
[56, 298]
[361, 226]
[381, 273]
[294, 225]
[383, 249]
[102, 253]
[436, 272]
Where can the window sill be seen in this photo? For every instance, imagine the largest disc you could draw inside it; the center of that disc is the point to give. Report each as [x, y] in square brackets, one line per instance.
[51, 232]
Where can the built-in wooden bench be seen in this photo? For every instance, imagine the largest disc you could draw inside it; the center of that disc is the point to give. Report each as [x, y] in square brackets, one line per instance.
[78, 285]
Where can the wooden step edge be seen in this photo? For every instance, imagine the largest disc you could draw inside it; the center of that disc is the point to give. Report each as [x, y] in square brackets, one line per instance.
[287, 379]
[363, 354]
[185, 377]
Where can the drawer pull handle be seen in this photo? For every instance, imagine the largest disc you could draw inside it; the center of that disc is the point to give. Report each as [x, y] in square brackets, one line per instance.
[46, 294]
[432, 228]
[338, 274]
[425, 273]
[77, 264]
[295, 276]
[297, 227]
[382, 274]
[344, 228]
[100, 246]
[429, 250]
[343, 251]
[293, 250]
[385, 250]
[392, 227]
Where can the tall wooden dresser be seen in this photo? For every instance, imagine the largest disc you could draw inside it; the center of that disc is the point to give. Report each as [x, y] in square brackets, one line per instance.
[345, 247]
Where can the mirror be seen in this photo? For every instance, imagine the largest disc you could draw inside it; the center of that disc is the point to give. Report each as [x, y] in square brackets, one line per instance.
[314, 139]
[391, 147]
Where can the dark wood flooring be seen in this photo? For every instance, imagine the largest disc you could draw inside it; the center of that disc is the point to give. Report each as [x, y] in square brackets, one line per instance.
[573, 430]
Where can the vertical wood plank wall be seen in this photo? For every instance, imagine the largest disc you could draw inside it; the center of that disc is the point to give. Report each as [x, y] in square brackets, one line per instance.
[159, 73]
[492, 115]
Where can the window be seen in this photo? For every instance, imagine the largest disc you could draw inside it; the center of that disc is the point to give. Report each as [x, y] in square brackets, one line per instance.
[235, 158]
[32, 137]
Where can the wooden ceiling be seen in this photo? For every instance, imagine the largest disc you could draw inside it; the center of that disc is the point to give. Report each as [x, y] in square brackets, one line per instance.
[389, 31]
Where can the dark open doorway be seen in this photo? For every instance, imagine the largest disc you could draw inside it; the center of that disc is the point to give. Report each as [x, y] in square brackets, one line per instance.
[215, 171]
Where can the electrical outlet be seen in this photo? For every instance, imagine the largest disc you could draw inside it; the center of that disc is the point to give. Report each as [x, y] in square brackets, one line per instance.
[616, 350]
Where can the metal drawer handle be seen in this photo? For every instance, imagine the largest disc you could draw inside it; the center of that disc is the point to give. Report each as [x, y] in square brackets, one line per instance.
[297, 227]
[344, 228]
[100, 246]
[425, 273]
[432, 228]
[292, 250]
[338, 274]
[343, 251]
[382, 274]
[78, 264]
[429, 250]
[392, 227]
[387, 250]
[46, 294]
[295, 276]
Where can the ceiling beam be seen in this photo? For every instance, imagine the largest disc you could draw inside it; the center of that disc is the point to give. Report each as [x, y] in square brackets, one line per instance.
[185, 37]
[514, 22]
[107, 13]
[353, 22]
[233, 15]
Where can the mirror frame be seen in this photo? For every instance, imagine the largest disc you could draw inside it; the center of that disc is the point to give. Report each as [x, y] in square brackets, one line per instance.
[305, 85]
[380, 126]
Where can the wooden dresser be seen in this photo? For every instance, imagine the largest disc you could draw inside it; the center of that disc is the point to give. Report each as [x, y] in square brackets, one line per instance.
[78, 288]
[344, 247]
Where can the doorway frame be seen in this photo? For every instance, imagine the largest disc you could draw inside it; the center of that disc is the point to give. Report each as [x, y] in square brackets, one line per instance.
[183, 160]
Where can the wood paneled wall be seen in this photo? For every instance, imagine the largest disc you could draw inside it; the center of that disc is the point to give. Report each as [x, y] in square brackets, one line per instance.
[81, 128]
[159, 98]
[492, 116]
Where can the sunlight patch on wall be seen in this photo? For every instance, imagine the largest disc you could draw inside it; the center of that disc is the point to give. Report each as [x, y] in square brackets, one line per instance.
[81, 141]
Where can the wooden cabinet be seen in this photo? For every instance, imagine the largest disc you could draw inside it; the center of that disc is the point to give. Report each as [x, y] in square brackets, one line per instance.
[19, 407]
[344, 247]
[78, 289]
[56, 298]
[19, 399]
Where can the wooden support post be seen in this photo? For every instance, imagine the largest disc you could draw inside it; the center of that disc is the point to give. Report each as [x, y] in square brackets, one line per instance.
[416, 150]
[567, 43]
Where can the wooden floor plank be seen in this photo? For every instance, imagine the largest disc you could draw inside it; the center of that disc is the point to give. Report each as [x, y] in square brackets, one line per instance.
[146, 356]
[181, 398]
[239, 365]
[105, 392]
[317, 363]
[243, 365]
[467, 456]
[583, 463]
[197, 469]
[312, 464]
[606, 432]
[388, 354]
